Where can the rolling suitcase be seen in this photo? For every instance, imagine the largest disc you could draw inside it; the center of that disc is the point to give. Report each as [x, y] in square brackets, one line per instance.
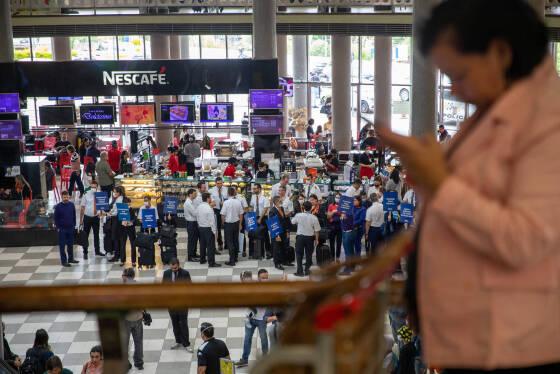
[146, 249]
[290, 255]
[168, 253]
[323, 254]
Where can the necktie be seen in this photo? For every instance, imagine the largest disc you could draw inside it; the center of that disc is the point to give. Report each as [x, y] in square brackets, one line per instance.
[257, 204]
[221, 197]
[308, 190]
[173, 277]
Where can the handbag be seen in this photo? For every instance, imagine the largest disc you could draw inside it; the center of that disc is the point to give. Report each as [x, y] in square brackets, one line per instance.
[82, 238]
[146, 318]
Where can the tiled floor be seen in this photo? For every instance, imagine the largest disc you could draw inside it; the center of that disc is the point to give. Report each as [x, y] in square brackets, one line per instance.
[73, 334]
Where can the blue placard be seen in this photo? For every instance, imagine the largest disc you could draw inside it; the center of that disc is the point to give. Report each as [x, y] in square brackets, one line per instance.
[346, 205]
[102, 201]
[407, 213]
[123, 212]
[250, 221]
[390, 201]
[170, 205]
[274, 226]
[149, 218]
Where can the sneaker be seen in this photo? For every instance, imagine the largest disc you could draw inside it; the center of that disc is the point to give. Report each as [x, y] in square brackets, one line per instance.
[176, 346]
[241, 363]
[66, 265]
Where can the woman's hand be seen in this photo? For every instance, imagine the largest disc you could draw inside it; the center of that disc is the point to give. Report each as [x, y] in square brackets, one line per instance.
[424, 159]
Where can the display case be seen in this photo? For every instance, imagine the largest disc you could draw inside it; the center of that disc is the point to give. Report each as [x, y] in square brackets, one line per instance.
[138, 186]
[179, 186]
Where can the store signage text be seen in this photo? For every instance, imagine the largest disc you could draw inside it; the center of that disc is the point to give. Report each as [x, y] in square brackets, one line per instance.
[134, 78]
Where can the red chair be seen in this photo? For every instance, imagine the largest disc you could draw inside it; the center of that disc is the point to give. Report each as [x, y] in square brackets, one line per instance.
[63, 160]
[65, 173]
[55, 190]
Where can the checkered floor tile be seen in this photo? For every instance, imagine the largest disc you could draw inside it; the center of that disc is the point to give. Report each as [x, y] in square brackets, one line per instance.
[73, 334]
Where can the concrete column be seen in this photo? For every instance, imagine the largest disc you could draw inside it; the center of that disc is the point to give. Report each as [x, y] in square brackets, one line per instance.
[423, 119]
[341, 92]
[264, 29]
[175, 47]
[282, 50]
[300, 70]
[6, 34]
[61, 48]
[185, 55]
[383, 49]
[160, 51]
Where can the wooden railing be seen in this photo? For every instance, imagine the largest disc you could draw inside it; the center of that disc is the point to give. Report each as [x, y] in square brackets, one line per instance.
[354, 308]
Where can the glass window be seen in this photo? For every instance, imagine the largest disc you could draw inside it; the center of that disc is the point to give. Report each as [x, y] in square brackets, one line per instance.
[22, 49]
[131, 47]
[321, 99]
[355, 59]
[401, 66]
[400, 119]
[368, 62]
[240, 46]
[319, 51]
[240, 107]
[213, 46]
[79, 46]
[42, 49]
[194, 46]
[103, 48]
[147, 47]
[290, 56]
[453, 109]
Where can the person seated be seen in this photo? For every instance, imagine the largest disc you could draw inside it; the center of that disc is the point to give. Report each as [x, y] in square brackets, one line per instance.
[41, 350]
[264, 172]
[95, 363]
[54, 366]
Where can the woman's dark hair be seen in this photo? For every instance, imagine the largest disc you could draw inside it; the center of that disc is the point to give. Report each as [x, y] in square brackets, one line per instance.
[476, 23]
[41, 339]
[53, 363]
[120, 191]
[359, 198]
[394, 176]
[123, 153]
[97, 349]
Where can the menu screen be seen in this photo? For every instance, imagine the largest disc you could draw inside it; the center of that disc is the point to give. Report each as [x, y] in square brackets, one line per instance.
[57, 115]
[9, 103]
[178, 113]
[266, 99]
[138, 114]
[267, 125]
[10, 130]
[216, 112]
[97, 114]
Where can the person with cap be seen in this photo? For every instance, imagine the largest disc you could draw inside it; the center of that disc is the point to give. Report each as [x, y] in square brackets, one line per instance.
[179, 318]
[210, 351]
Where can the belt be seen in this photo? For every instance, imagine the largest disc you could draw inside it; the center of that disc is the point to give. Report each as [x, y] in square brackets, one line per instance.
[347, 230]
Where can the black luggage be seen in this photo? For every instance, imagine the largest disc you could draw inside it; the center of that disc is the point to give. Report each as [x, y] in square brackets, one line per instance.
[146, 249]
[290, 254]
[323, 254]
[168, 253]
[168, 231]
[323, 235]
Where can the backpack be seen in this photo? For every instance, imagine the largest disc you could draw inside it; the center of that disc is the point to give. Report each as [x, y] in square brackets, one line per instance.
[32, 363]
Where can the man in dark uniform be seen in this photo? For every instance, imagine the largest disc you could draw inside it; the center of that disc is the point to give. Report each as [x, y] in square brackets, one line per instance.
[210, 352]
[179, 318]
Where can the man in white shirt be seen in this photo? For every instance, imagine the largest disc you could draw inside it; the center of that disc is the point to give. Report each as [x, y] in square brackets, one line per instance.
[284, 182]
[260, 205]
[242, 241]
[90, 219]
[219, 195]
[311, 188]
[207, 230]
[307, 236]
[355, 189]
[232, 216]
[410, 197]
[287, 203]
[201, 189]
[375, 218]
[192, 225]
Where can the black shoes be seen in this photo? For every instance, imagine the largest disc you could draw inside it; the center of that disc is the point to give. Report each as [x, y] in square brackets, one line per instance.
[202, 262]
[66, 265]
[100, 254]
[114, 259]
[279, 267]
[193, 259]
[85, 256]
[298, 274]
[288, 264]
[214, 266]
[230, 263]
[73, 262]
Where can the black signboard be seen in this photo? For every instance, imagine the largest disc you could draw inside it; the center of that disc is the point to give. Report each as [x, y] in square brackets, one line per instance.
[137, 78]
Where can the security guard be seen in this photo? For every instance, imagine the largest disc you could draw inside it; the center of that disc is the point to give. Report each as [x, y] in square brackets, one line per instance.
[211, 351]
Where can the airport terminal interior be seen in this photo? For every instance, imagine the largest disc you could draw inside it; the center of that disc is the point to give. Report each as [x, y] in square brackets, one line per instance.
[212, 186]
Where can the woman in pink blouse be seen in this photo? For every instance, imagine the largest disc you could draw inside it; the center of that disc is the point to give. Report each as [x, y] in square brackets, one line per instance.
[484, 281]
[95, 363]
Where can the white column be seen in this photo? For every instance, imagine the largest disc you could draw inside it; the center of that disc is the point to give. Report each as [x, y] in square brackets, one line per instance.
[160, 51]
[423, 119]
[61, 48]
[6, 34]
[341, 92]
[383, 50]
[264, 29]
[300, 70]
[282, 50]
